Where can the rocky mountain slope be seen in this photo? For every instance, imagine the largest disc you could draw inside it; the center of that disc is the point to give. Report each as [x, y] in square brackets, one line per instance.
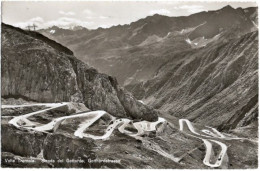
[123, 50]
[39, 69]
[216, 85]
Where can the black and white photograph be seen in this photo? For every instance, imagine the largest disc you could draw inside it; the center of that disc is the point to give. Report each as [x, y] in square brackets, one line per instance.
[129, 84]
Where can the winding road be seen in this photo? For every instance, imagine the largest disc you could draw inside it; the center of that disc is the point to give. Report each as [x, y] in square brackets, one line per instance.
[16, 120]
[206, 135]
[30, 105]
[207, 143]
[141, 127]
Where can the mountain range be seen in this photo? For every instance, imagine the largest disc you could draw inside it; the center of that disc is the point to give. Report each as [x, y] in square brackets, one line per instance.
[182, 66]
[133, 52]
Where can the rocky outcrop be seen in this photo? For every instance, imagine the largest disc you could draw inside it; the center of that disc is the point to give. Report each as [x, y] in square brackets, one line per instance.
[42, 70]
[59, 147]
[20, 142]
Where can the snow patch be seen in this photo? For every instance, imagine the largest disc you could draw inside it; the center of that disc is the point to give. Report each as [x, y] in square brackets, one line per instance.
[141, 101]
[255, 24]
[188, 41]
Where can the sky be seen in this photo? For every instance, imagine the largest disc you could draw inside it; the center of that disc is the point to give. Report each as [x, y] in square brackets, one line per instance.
[94, 14]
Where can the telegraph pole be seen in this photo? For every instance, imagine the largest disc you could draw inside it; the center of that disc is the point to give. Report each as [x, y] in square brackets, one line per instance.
[34, 26]
[30, 27]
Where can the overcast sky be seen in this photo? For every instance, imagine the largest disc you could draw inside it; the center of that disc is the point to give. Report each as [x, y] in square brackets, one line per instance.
[99, 14]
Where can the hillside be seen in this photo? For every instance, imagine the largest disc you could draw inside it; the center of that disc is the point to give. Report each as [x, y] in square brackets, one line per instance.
[39, 69]
[216, 85]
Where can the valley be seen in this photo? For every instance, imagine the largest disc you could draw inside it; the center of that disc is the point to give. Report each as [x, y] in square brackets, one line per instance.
[159, 93]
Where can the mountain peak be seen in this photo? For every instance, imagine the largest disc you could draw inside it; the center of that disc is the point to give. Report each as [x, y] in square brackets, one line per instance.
[228, 7]
[54, 27]
[75, 28]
